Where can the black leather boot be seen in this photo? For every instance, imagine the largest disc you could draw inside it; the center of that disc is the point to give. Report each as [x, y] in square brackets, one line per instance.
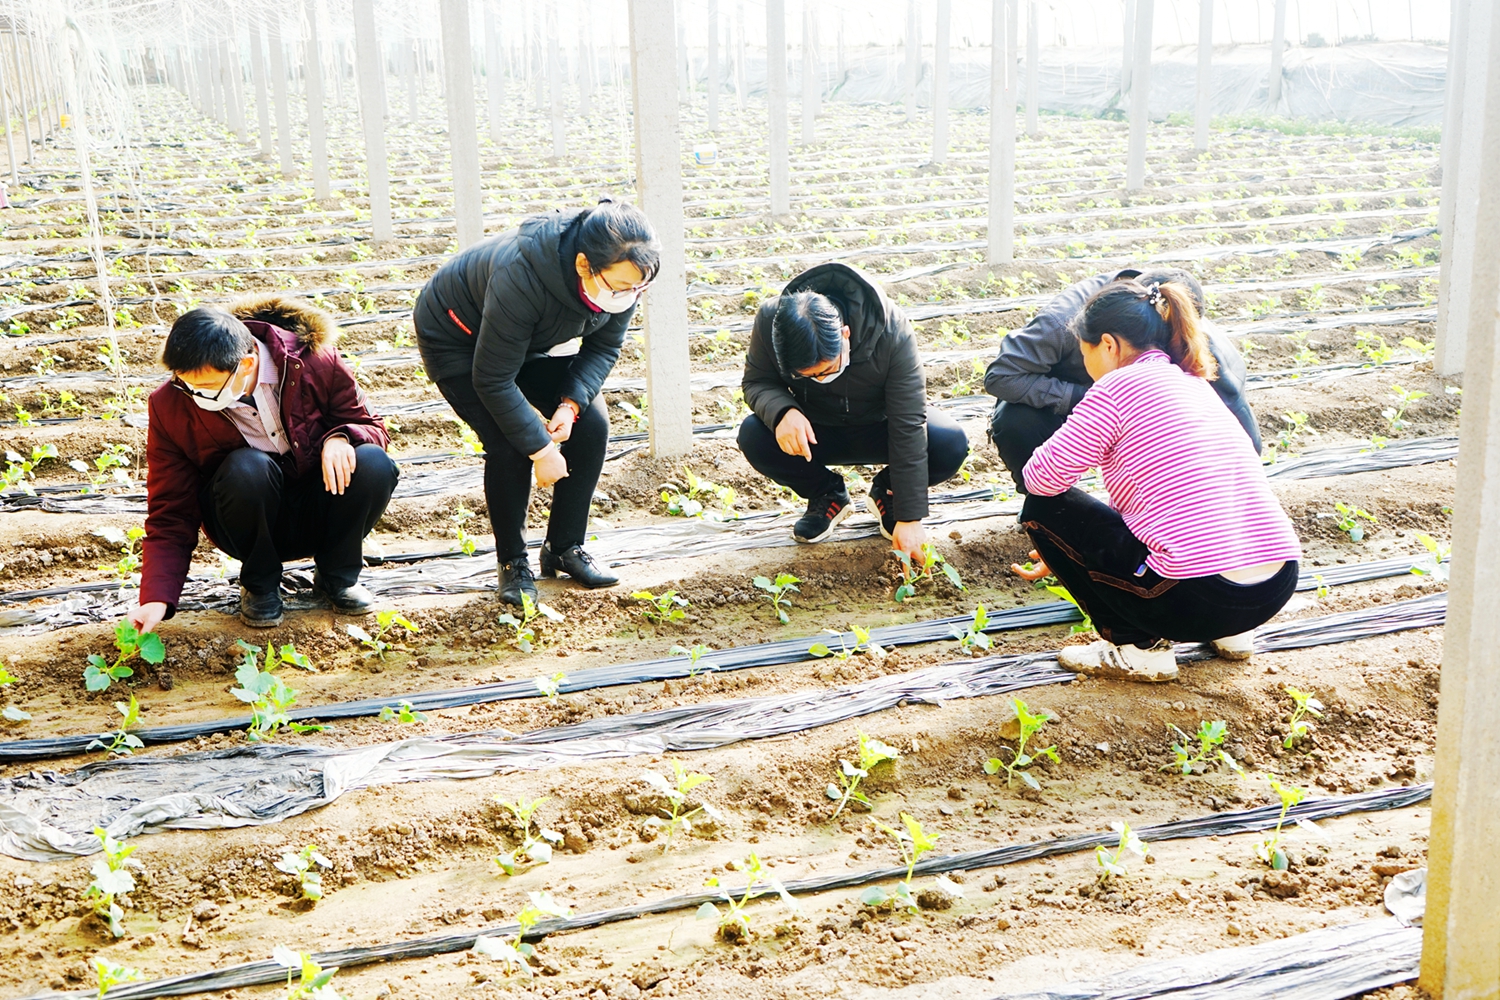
[516, 579]
[260, 610]
[578, 564]
[355, 600]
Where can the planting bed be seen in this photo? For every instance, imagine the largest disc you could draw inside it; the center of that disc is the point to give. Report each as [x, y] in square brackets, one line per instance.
[1318, 254]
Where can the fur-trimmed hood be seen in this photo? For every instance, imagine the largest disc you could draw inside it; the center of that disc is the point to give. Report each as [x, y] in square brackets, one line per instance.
[313, 328]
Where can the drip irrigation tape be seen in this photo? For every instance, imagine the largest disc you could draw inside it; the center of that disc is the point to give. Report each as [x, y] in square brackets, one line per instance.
[1292, 962]
[47, 816]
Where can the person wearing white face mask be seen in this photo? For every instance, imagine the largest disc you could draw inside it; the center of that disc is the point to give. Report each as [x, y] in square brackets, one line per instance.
[519, 332]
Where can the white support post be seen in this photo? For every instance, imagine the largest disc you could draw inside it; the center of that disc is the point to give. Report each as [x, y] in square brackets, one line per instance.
[913, 65]
[712, 64]
[739, 59]
[1127, 51]
[1140, 93]
[781, 154]
[554, 84]
[585, 62]
[24, 99]
[1203, 107]
[10, 137]
[278, 93]
[494, 73]
[940, 81]
[205, 82]
[229, 58]
[658, 172]
[684, 61]
[371, 72]
[1452, 303]
[463, 136]
[840, 65]
[1002, 229]
[1461, 925]
[216, 84]
[1033, 67]
[413, 78]
[809, 76]
[317, 136]
[1278, 42]
[262, 102]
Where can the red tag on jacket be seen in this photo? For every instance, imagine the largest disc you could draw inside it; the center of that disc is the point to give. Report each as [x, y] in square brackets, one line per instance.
[459, 323]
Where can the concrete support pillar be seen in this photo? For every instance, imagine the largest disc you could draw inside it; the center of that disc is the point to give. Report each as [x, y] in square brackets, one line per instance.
[205, 82]
[1460, 180]
[940, 81]
[413, 78]
[1140, 93]
[1461, 927]
[316, 134]
[25, 96]
[781, 155]
[585, 64]
[370, 69]
[10, 132]
[279, 94]
[494, 73]
[809, 75]
[1033, 66]
[712, 64]
[1127, 52]
[739, 58]
[1002, 228]
[658, 172]
[216, 83]
[912, 68]
[1203, 107]
[463, 136]
[1278, 42]
[262, 101]
[229, 59]
[684, 61]
[555, 84]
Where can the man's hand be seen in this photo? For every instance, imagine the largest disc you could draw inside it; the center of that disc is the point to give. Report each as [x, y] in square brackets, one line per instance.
[145, 617]
[794, 434]
[561, 424]
[909, 537]
[1037, 570]
[338, 464]
[549, 466]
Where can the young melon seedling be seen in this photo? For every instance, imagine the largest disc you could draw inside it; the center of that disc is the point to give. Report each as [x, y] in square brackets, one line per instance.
[11, 713]
[1211, 737]
[973, 637]
[1031, 724]
[376, 644]
[690, 504]
[1435, 564]
[862, 644]
[675, 814]
[1298, 726]
[515, 952]
[100, 673]
[402, 713]
[780, 591]
[269, 697]
[734, 922]
[107, 974]
[872, 752]
[127, 568]
[1349, 518]
[112, 879]
[1269, 849]
[1111, 861]
[661, 609]
[312, 979]
[911, 575]
[536, 848]
[695, 654]
[550, 687]
[467, 543]
[524, 632]
[1087, 625]
[912, 843]
[123, 741]
[304, 865]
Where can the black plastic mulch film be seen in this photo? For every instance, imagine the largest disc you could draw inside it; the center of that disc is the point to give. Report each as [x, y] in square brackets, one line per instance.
[1357, 969]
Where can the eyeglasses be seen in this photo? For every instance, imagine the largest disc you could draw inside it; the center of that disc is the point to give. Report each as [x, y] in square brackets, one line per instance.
[184, 387]
[619, 291]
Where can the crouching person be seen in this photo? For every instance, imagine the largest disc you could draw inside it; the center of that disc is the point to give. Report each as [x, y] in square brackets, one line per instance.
[263, 439]
[1195, 547]
[833, 377]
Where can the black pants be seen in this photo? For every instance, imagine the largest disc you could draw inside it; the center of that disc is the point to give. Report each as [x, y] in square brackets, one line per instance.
[862, 444]
[1086, 544]
[262, 516]
[1018, 431]
[507, 472]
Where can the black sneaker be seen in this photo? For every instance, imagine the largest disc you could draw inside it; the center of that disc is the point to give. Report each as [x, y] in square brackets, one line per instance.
[260, 610]
[883, 504]
[823, 515]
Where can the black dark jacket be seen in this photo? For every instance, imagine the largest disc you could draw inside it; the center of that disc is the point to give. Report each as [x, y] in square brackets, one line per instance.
[1041, 365]
[883, 382]
[513, 297]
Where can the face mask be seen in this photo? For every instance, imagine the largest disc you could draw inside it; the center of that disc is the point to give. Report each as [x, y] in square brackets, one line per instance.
[225, 398]
[610, 300]
[843, 365]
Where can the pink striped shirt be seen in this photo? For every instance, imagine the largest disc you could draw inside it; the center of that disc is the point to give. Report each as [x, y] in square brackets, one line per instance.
[1178, 467]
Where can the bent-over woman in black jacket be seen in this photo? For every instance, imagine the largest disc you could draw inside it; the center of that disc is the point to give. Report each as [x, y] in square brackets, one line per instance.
[519, 332]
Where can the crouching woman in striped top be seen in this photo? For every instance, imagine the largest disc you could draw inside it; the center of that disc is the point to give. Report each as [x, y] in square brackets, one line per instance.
[1192, 545]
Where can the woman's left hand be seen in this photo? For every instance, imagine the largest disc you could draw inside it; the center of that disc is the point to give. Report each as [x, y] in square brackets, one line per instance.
[561, 424]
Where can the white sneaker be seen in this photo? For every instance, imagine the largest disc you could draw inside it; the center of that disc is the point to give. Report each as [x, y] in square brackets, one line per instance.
[1236, 647]
[1126, 663]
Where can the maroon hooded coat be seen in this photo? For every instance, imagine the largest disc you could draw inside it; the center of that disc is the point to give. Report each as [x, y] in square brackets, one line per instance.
[185, 444]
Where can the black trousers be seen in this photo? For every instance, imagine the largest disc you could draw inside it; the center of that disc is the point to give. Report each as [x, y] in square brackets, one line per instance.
[1086, 544]
[1019, 430]
[262, 516]
[507, 472]
[862, 444]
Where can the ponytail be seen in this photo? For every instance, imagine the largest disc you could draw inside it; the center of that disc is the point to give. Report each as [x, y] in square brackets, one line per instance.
[1156, 316]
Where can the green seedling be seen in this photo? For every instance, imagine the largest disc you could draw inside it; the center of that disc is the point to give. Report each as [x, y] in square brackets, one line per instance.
[402, 713]
[1435, 564]
[1031, 723]
[303, 865]
[515, 951]
[862, 644]
[1373, 346]
[112, 466]
[734, 922]
[312, 979]
[639, 415]
[912, 575]
[19, 470]
[127, 568]
[536, 848]
[1298, 726]
[269, 697]
[779, 590]
[384, 622]
[912, 843]
[1305, 356]
[550, 687]
[695, 654]
[112, 879]
[122, 742]
[1210, 737]
[690, 503]
[1111, 861]
[1395, 416]
[872, 753]
[1422, 348]
[1269, 849]
[107, 975]
[1349, 518]
[1323, 589]
[661, 609]
[973, 637]
[468, 442]
[1087, 625]
[467, 543]
[524, 637]
[675, 814]
[101, 673]
[11, 713]
[1294, 425]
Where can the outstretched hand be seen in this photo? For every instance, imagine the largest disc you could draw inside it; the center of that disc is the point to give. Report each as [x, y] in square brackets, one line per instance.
[1032, 571]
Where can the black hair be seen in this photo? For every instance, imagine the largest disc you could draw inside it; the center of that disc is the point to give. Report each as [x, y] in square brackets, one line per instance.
[206, 337]
[1175, 276]
[616, 231]
[1150, 316]
[806, 330]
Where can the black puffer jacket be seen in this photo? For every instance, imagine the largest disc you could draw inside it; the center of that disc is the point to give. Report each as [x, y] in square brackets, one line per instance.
[509, 299]
[883, 382]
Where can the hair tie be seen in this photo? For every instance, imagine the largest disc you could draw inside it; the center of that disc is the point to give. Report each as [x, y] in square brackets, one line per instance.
[1153, 294]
